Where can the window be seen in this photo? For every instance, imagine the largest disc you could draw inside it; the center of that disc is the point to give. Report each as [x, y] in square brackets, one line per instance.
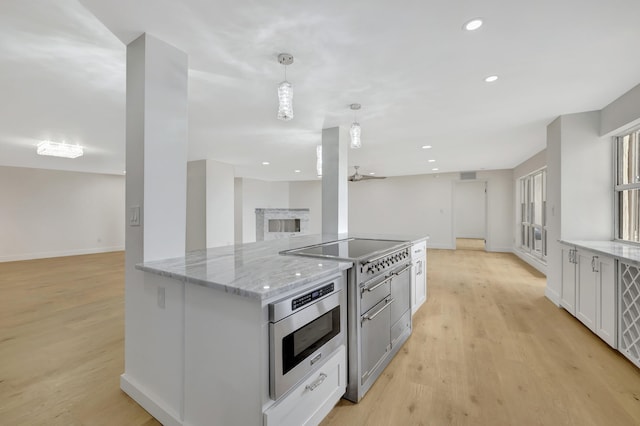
[533, 206]
[628, 187]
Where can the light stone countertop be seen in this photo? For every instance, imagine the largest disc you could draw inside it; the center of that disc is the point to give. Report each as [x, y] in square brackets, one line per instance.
[257, 270]
[616, 249]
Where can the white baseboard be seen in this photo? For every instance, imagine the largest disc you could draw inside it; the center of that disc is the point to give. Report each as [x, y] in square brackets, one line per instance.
[552, 295]
[45, 255]
[498, 249]
[137, 392]
[534, 262]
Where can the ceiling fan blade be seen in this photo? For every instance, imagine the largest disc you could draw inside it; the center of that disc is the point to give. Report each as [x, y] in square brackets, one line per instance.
[366, 177]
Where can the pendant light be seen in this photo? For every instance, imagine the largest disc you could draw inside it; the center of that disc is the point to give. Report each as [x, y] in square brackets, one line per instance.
[355, 129]
[285, 90]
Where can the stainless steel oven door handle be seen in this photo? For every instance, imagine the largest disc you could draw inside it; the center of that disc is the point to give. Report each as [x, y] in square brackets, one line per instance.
[317, 382]
[404, 270]
[375, 314]
[372, 288]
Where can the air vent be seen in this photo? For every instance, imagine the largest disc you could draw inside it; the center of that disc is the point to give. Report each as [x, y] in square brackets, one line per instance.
[467, 175]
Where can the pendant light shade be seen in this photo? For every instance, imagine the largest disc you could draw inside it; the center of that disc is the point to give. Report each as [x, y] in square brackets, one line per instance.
[355, 135]
[319, 160]
[355, 130]
[285, 90]
[285, 101]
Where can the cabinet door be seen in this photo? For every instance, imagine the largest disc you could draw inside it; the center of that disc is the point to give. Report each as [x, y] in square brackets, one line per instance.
[606, 301]
[586, 291]
[376, 337]
[568, 290]
[401, 293]
[419, 283]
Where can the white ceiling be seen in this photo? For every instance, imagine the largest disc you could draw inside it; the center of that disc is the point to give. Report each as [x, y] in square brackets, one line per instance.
[417, 74]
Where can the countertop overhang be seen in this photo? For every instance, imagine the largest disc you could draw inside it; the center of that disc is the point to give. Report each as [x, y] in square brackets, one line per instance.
[615, 249]
[257, 270]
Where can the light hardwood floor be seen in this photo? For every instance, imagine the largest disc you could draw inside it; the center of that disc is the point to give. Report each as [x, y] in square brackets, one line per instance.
[487, 349]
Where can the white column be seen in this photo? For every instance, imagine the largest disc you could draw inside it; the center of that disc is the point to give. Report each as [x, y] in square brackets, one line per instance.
[156, 135]
[335, 199]
[156, 148]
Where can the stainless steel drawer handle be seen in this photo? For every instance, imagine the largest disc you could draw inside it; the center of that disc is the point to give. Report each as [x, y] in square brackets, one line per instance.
[317, 382]
[404, 270]
[375, 286]
[375, 314]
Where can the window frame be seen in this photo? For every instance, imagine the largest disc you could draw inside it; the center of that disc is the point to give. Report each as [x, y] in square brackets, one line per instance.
[618, 189]
[528, 225]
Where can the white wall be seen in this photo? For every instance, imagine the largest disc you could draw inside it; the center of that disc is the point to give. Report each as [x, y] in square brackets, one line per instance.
[308, 194]
[621, 114]
[420, 204]
[259, 194]
[579, 188]
[196, 205]
[47, 213]
[469, 209]
[220, 204]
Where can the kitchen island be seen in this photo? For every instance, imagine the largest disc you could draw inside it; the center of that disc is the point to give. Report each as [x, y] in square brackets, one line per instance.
[198, 349]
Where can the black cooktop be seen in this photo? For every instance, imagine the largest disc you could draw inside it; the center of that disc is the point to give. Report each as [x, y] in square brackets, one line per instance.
[352, 248]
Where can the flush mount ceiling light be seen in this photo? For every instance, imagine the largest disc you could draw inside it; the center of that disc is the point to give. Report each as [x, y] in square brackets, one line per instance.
[473, 24]
[319, 160]
[57, 149]
[491, 78]
[355, 130]
[285, 90]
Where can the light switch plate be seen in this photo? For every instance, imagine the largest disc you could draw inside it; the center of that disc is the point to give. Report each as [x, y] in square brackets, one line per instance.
[134, 216]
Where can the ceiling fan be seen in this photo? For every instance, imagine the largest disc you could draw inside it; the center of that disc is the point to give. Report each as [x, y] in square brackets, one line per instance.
[358, 177]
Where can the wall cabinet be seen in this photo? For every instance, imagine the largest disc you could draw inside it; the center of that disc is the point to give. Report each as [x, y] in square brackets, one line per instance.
[589, 291]
[418, 275]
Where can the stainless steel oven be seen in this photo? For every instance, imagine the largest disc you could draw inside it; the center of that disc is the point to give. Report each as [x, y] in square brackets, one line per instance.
[304, 329]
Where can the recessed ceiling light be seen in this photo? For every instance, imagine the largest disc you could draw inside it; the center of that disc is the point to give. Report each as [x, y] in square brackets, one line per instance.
[491, 78]
[431, 161]
[297, 170]
[426, 146]
[266, 287]
[435, 169]
[473, 24]
[298, 274]
[372, 173]
[265, 163]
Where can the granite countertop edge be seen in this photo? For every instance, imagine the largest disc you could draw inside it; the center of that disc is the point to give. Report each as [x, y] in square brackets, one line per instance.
[617, 249]
[256, 270]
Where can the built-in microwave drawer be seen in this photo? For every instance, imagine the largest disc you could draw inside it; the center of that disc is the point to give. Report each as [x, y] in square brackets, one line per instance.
[373, 291]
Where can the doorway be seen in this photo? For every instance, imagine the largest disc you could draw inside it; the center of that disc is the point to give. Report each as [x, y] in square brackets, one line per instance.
[470, 215]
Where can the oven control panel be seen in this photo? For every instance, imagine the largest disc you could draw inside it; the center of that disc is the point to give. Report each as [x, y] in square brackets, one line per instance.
[385, 263]
[316, 294]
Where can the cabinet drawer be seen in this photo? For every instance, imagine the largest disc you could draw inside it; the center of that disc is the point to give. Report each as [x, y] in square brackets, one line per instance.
[312, 400]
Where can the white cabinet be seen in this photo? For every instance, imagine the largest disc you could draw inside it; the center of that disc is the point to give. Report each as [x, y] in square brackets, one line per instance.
[589, 291]
[312, 400]
[568, 290]
[418, 275]
[586, 289]
[606, 318]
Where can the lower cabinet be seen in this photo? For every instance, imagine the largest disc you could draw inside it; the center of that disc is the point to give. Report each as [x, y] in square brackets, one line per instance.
[589, 291]
[312, 400]
[418, 275]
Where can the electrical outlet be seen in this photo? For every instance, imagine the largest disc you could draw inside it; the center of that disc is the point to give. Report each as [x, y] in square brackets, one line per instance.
[161, 300]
